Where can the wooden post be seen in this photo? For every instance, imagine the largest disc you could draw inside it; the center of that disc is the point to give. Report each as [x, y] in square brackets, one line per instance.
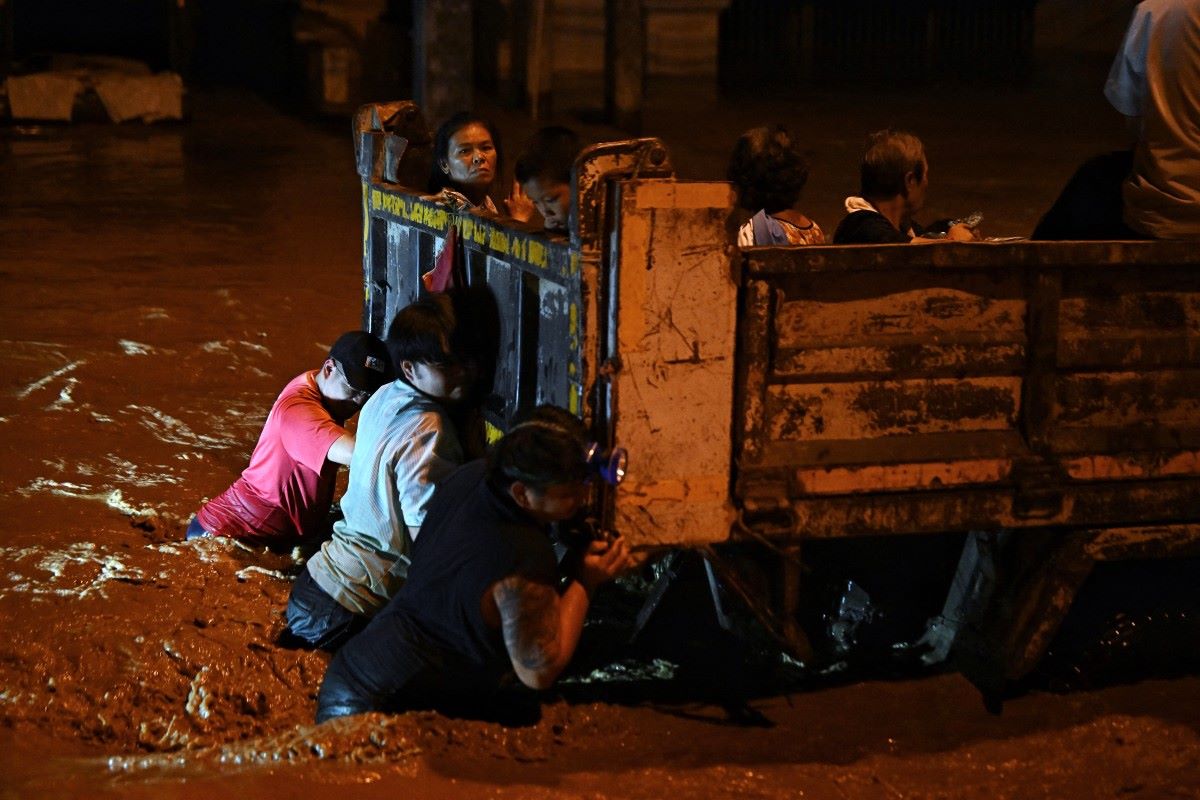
[442, 57]
[624, 63]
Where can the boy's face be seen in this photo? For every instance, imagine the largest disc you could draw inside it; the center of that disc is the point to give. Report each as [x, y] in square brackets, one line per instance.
[551, 198]
[446, 382]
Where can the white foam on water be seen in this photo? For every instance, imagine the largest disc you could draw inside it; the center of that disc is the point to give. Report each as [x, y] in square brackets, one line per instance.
[127, 472]
[198, 696]
[116, 500]
[258, 348]
[30, 343]
[133, 348]
[214, 347]
[42, 382]
[63, 488]
[151, 312]
[206, 549]
[64, 396]
[388, 741]
[173, 431]
[11, 696]
[113, 498]
[245, 572]
[98, 417]
[55, 562]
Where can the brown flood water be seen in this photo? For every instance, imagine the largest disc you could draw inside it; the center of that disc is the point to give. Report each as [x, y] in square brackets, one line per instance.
[160, 285]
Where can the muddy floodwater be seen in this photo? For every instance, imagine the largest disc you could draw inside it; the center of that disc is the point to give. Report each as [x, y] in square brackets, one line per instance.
[159, 285]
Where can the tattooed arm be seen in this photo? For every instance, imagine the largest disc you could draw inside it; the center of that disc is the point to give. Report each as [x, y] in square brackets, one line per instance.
[541, 627]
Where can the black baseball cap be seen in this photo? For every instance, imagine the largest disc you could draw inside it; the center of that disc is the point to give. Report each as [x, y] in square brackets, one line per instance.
[363, 359]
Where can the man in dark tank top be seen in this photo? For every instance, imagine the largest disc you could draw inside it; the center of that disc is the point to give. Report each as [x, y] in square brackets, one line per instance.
[483, 596]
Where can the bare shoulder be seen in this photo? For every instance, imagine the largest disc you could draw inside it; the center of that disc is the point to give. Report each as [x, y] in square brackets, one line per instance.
[528, 613]
[517, 595]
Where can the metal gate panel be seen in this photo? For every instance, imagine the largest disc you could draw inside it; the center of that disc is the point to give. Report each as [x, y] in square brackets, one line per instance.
[404, 234]
[558, 383]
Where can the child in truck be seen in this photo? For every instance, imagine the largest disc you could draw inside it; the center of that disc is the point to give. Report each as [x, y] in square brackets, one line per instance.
[543, 173]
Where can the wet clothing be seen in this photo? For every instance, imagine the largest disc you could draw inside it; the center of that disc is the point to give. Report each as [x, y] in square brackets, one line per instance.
[864, 225]
[315, 619]
[287, 489]
[764, 229]
[1156, 77]
[406, 443]
[431, 639]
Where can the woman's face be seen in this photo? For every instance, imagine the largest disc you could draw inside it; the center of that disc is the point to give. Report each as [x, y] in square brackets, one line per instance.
[471, 156]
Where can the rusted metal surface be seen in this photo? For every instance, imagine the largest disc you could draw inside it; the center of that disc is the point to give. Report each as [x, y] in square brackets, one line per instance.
[673, 339]
[593, 227]
[1146, 541]
[1049, 392]
[756, 316]
[597, 167]
[1080, 259]
[898, 389]
[392, 144]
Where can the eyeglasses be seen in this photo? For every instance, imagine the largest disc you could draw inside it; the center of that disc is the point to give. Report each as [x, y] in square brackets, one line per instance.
[357, 395]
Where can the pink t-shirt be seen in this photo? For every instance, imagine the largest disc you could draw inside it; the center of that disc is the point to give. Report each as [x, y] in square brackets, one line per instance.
[287, 489]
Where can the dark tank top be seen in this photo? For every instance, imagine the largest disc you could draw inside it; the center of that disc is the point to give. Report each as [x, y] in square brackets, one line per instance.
[471, 538]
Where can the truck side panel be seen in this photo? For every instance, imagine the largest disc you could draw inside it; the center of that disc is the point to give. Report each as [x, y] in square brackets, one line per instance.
[675, 327]
[890, 389]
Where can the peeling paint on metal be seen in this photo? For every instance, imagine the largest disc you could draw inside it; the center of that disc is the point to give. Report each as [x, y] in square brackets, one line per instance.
[893, 477]
[676, 334]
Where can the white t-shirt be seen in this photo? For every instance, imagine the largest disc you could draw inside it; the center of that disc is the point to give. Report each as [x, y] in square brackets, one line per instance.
[405, 445]
[1156, 76]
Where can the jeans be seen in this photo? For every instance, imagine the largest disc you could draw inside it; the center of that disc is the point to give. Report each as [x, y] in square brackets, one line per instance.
[316, 619]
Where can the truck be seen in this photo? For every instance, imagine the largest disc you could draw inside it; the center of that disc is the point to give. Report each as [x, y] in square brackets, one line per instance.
[1038, 400]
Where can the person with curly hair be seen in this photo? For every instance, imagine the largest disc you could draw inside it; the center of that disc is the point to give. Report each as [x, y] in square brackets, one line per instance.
[543, 177]
[768, 172]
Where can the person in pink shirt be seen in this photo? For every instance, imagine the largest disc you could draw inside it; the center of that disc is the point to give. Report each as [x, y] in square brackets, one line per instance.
[283, 496]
